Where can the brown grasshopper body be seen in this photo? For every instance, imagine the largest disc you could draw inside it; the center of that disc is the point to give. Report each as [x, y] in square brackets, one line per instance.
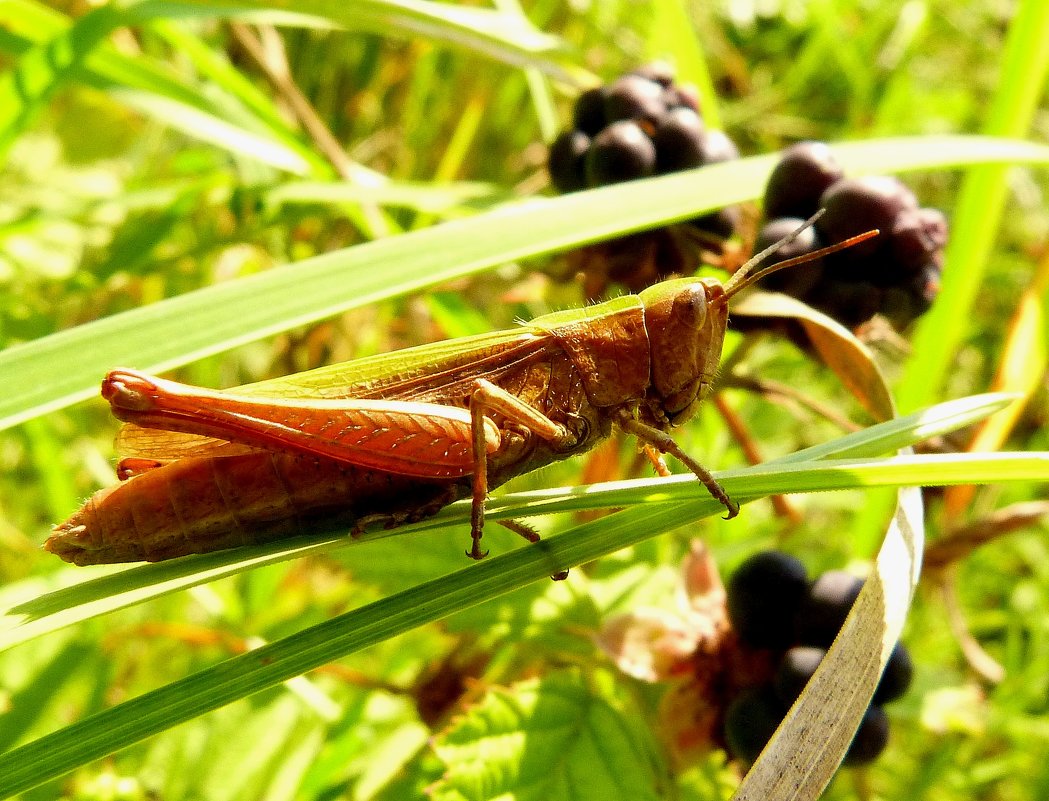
[642, 361]
[393, 438]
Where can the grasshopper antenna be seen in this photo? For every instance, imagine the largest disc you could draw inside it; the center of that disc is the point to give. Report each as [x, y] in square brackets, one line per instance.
[750, 273]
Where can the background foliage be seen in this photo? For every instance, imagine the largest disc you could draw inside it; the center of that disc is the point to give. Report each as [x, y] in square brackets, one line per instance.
[154, 149]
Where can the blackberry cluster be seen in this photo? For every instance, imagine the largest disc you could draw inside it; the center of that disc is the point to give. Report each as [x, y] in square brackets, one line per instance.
[639, 125]
[774, 607]
[896, 274]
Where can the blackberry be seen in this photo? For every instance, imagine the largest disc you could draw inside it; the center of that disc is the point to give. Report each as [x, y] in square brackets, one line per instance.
[641, 124]
[823, 609]
[588, 115]
[796, 282]
[851, 303]
[683, 96]
[895, 274]
[621, 152]
[566, 162]
[679, 139]
[795, 670]
[717, 147]
[804, 172]
[674, 95]
[764, 595]
[722, 222]
[658, 72]
[634, 97]
[870, 739]
[751, 720]
[855, 205]
[918, 238]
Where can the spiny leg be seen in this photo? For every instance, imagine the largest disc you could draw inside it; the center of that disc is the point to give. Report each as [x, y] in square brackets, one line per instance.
[488, 397]
[664, 443]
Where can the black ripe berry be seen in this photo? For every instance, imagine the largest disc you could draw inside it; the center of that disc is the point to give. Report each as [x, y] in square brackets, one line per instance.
[567, 160]
[621, 152]
[918, 238]
[633, 97]
[750, 722]
[588, 115]
[897, 676]
[856, 205]
[722, 223]
[795, 670]
[763, 598]
[658, 72]
[717, 147]
[804, 172]
[678, 137]
[871, 738]
[823, 609]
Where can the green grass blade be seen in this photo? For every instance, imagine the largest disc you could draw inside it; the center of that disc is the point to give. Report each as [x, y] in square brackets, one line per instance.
[125, 587]
[154, 93]
[63, 368]
[242, 676]
[506, 37]
[1021, 88]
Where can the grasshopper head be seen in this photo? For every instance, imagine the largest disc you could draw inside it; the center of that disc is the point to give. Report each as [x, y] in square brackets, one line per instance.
[686, 321]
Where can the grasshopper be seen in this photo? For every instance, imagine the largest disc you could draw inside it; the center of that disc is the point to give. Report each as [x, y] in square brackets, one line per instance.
[391, 439]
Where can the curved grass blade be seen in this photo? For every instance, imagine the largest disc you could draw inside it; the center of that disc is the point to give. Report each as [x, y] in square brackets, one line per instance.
[506, 37]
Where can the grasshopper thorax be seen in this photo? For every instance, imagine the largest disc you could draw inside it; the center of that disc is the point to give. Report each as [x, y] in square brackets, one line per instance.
[685, 320]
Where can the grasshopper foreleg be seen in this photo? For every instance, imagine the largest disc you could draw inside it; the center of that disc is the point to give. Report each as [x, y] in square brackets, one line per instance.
[664, 443]
[485, 399]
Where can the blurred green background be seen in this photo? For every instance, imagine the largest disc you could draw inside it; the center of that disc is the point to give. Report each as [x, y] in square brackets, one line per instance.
[151, 149]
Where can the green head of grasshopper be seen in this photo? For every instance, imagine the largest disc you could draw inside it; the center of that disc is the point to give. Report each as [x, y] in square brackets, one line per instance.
[686, 321]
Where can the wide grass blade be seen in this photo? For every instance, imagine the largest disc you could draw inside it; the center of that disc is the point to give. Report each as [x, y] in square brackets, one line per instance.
[65, 367]
[122, 587]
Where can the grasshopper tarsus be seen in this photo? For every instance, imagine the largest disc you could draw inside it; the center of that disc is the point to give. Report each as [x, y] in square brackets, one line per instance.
[530, 534]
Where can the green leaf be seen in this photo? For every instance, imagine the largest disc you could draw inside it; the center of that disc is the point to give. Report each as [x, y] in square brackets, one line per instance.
[554, 738]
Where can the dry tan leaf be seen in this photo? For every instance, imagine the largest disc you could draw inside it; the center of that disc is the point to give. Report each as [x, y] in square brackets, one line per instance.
[960, 542]
[809, 745]
[837, 347]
